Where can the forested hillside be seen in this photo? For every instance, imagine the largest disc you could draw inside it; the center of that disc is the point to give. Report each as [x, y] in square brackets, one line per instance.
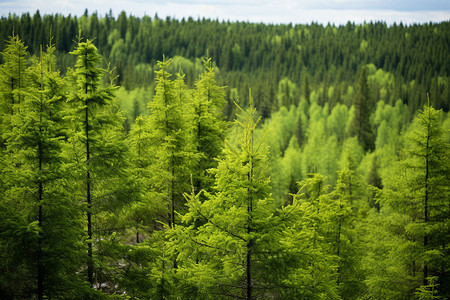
[194, 159]
[270, 59]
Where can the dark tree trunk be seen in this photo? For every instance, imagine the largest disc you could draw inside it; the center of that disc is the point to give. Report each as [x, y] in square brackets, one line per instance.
[425, 238]
[90, 263]
[40, 274]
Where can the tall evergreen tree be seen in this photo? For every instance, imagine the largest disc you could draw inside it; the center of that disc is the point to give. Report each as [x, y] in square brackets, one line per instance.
[36, 183]
[228, 247]
[419, 195]
[171, 156]
[361, 126]
[244, 247]
[13, 72]
[345, 238]
[208, 126]
[96, 147]
[308, 255]
[143, 210]
[12, 82]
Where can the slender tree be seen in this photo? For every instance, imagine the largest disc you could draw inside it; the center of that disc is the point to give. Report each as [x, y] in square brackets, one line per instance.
[361, 126]
[419, 194]
[208, 126]
[225, 245]
[37, 181]
[171, 156]
[96, 144]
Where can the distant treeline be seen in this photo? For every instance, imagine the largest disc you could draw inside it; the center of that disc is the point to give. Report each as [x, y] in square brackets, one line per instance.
[256, 56]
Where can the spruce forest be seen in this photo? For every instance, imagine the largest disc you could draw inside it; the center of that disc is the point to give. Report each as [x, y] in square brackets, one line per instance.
[149, 158]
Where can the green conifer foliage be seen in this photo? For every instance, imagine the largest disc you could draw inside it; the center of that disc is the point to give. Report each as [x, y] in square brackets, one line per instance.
[308, 265]
[37, 189]
[13, 73]
[171, 155]
[142, 212]
[418, 195]
[96, 151]
[361, 126]
[288, 93]
[12, 82]
[208, 126]
[224, 256]
[345, 238]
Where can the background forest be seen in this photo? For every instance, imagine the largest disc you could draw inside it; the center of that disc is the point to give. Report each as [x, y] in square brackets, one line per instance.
[150, 158]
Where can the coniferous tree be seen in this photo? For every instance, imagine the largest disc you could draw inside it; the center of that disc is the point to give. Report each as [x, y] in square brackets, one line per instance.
[96, 149]
[142, 213]
[244, 247]
[361, 126]
[345, 238]
[36, 182]
[171, 156]
[228, 246]
[12, 82]
[309, 264]
[418, 197]
[208, 126]
[14, 72]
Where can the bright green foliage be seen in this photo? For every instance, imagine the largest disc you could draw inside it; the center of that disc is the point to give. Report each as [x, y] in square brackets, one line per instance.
[288, 93]
[246, 248]
[12, 85]
[140, 215]
[95, 150]
[292, 173]
[429, 291]
[279, 134]
[133, 103]
[418, 198]
[335, 238]
[390, 121]
[162, 160]
[228, 254]
[13, 72]
[142, 257]
[171, 155]
[260, 55]
[336, 122]
[321, 152]
[308, 264]
[344, 234]
[382, 262]
[207, 125]
[40, 226]
[12, 77]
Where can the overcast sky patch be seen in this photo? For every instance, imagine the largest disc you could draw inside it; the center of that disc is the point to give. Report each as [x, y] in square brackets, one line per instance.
[267, 11]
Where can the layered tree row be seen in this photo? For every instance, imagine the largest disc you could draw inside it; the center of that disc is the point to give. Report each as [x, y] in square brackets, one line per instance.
[256, 56]
[311, 203]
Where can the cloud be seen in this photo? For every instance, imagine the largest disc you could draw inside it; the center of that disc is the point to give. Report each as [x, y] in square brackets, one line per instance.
[398, 5]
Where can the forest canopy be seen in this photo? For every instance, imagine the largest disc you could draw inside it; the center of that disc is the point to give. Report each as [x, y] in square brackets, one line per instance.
[150, 158]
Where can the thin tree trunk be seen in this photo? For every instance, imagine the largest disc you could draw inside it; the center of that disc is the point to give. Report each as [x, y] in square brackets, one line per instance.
[249, 225]
[425, 238]
[90, 268]
[249, 273]
[19, 83]
[89, 205]
[338, 252]
[40, 197]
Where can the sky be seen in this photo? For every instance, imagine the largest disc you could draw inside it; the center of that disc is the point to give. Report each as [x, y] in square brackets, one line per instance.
[266, 11]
